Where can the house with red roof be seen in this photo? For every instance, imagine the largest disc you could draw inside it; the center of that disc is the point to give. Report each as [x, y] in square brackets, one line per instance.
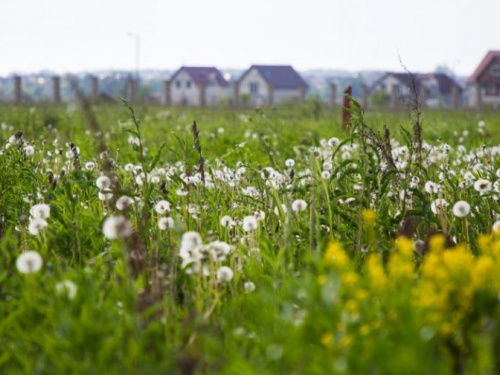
[485, 82]
[270, 84]
[198, 86]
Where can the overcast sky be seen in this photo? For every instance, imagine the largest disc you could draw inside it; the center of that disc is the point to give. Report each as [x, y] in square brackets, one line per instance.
[78, 35]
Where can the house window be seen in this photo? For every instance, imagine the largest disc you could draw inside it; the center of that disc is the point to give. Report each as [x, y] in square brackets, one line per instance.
[254, 88]
[188, 84]
[495, 71]
[178, 84]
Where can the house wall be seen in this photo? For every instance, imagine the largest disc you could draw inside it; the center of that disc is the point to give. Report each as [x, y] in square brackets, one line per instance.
[261, 96]
[387, 83]
[214, 93]
[184, 95]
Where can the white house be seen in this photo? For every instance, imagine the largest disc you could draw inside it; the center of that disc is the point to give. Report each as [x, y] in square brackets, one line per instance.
[269, 84]
[197, 86]
[400, 84]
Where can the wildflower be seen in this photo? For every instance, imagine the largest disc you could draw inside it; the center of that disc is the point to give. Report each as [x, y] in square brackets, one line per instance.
[249, 223]
[181, 193]
[67, 287]
[190, 241]
[116, 227]
[290, 163]
[103, 182]
[335, 256]
[166, 223]
[90, 165]
[124, 202]
[299, 205]
[369, 217]
[29, 262]
[218, 250]
[226, 221]
[224, 274]
[461, 209]
[162, 206]
[332, 142]
[482, 186]
[36, 225]
[431, 187]
[29, 150]
[249, 287]
[104, 196]
[496, 226]
[40, 211]
[325, 175]
[438, 205]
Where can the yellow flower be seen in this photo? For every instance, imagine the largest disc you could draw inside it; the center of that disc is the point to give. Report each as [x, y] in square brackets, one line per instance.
[369, 217]
[376, 273]
[322, 280]
[327, 340]
[349, 279]
[335, 256]
[404, 246]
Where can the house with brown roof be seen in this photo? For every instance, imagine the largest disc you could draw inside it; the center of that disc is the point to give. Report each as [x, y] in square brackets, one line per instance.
[270, 84]
[485, 82]
[198, 86]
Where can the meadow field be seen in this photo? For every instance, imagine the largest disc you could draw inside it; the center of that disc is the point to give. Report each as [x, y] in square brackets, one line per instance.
[256, 241]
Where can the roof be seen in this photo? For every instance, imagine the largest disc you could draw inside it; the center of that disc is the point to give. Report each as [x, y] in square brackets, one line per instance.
[444, 81]
[484, 64]
[281, 76]
[203, 74]
[406, 79]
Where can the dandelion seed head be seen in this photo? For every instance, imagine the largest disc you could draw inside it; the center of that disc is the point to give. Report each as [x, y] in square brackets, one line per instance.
[36, 225]
[29, 262]
[162, 207]
[166, 223]
[224, 274]
[299, 205]
[249, 223]
[116, 227]
[461, 209]
[103, 182]
[67, 287]
[40, 211]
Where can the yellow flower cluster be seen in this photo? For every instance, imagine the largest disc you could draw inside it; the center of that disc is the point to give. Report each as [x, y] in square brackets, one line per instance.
[443, 292]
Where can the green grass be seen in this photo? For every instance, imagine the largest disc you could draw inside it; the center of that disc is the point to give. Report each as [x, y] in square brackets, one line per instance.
[334, 293]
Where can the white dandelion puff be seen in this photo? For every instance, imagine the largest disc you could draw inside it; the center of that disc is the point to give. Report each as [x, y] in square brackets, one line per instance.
[29, 262]
[224, 274]
[116, 227]
[67, 287]
[249, 223]
[103, 182]
[299, 205]
[124, 203]
[40, 211]
[461, 209]
[166, 223]
[36, 226]
[249, 287]
[162, 207]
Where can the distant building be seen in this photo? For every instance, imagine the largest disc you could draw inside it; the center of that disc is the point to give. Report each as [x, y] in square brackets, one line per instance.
[401, 84]
[485, 82]
[440, 90]
[270, 84]
[198, 86]
[436, 89]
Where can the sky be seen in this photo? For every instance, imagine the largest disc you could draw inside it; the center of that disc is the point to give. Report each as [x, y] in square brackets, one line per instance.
[84, 35]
